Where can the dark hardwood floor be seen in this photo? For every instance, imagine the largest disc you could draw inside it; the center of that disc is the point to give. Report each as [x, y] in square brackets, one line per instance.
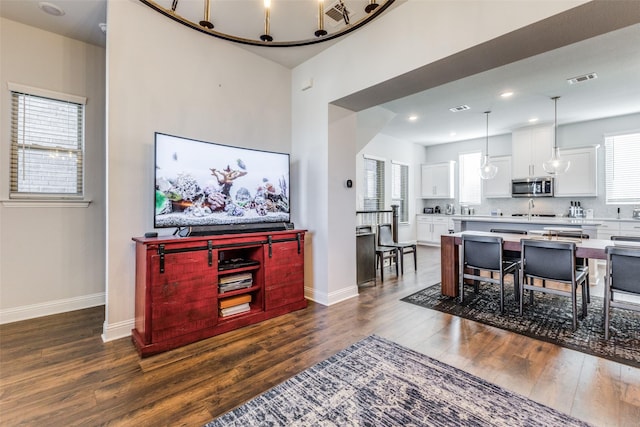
[56, 371]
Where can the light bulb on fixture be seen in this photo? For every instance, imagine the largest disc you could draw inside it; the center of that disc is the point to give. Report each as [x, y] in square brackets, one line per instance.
[556, 164]
[488, 170]
[266, 37]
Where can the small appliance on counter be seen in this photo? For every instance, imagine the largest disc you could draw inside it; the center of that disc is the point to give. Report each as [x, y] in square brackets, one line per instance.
[450, 209]
[428, 210]
[437, 210]
[636, 214]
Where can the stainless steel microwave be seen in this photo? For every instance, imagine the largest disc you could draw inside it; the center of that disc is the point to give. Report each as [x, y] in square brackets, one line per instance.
[532, 187]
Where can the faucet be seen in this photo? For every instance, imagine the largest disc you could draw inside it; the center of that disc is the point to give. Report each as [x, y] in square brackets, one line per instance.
[531, 205]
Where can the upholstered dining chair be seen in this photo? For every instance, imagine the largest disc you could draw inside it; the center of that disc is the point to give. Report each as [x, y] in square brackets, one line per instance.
[621, 278]
[554, 261]
[484, 253]
[626, 238]
[385, 238]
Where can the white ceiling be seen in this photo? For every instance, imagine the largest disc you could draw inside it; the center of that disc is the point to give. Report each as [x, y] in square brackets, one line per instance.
[614, 57]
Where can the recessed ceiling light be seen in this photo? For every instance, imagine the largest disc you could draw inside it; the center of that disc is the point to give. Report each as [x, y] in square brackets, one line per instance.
[533, 119]
[506, 94]
[413, 118]
[51, 8]
[452, 134]
[459, 108]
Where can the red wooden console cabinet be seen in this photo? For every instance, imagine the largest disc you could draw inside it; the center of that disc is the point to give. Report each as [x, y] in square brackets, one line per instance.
[178, 295]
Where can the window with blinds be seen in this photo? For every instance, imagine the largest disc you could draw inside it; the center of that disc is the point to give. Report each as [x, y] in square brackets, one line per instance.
[373, 184]
[400, 189]
[47, 142]
[469, 178]
[622, 157]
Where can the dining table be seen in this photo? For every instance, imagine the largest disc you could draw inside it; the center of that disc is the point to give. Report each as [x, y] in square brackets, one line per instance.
[450, 244]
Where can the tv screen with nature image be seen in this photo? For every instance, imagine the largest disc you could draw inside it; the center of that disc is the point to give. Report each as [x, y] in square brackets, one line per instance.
[202, 184]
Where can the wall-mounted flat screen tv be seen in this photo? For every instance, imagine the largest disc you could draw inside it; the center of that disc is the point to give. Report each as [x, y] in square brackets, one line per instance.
[204, 184]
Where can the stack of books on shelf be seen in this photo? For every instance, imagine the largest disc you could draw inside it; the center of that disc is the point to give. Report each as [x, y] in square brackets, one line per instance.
[234, 305]
[235, 281]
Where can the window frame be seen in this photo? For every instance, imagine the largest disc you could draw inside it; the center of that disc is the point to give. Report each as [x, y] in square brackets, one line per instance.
[631, 175]
[402, 199]
[380, 182]
[46, 198]
[475, 173]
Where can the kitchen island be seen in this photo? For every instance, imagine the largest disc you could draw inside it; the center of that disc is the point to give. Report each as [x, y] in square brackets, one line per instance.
[524, 223]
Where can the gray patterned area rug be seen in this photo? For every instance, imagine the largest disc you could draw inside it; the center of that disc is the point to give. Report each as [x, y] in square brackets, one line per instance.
[548, 320]
[376, 382]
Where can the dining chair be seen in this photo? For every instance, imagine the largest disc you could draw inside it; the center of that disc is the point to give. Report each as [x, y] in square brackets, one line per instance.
[621, 278]
[385, 238]
[626, 238]
[386, 252]
[484, 253]
[515, 255]
[553, 261]
[581, 263]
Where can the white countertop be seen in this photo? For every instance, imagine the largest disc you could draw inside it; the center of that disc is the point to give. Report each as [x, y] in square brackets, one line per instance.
[534, 219]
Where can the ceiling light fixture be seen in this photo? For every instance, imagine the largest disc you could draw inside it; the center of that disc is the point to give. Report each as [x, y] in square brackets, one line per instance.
[292, 23]
[51, 8]
[413, 118]
[506, 94]
[556, 164]
[533, 119]
[488, 170]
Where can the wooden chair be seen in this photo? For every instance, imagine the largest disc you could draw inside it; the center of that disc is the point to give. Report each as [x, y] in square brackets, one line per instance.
[555, 261]
[621, 277]
[383, 253]
[385, 238]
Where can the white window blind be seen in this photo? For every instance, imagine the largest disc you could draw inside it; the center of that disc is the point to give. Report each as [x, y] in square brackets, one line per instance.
[469, 178]
[400, 189]
[622, 157]
[374, 184]
[47, 141]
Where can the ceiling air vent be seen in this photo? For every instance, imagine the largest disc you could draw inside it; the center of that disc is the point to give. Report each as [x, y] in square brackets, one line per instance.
[459, 108]
[580, 79]
[335, 12]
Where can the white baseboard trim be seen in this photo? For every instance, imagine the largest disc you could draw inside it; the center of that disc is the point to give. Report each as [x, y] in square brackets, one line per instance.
[117, 330]
[48, 308]
[331, 298]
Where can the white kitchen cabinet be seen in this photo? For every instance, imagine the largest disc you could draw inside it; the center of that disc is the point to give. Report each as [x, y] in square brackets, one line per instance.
[581, 178]
[618, 228]
[500, 185]
[437, 181]
[430, 227]
[530, 148]
[608, 229]
[629, 228]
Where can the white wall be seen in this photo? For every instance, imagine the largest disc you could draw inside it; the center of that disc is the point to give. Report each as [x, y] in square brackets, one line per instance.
[52, 259]
[583, 134]
[414, 34]
[165, 77]
[390, 149]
